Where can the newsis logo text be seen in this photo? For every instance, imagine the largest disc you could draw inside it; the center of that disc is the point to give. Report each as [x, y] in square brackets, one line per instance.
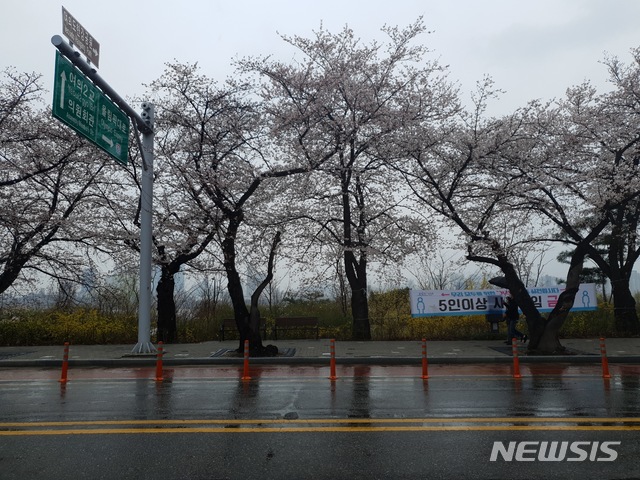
[579, 451]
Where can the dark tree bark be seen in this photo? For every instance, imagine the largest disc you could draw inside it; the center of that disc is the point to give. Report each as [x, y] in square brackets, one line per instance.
[356, 272]
[622, 254]
[621, 257]
[167, 317]
[234, 285]
[167, 326]
[625, 313]
[247, 321]
[543, 332]
[356, 268]
[12, 269]
[255, 340]
[617, 265]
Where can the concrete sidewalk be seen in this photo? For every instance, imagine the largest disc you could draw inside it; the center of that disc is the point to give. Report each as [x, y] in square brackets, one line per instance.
[621, 350]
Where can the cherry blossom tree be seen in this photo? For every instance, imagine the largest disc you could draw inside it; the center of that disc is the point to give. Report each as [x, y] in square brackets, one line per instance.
[51, 184]
[477, 181]
[214, 157]
[601, 130]
[579, 170]
[197, 122]
[339, 105]
[497, 178]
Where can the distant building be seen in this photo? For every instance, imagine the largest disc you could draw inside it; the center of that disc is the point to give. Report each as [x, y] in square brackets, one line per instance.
[548, 281]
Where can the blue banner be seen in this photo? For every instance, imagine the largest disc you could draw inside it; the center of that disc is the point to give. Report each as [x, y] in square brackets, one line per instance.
[432, 303]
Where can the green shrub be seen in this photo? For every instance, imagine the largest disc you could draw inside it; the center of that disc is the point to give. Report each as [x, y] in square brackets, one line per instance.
[390, 317]
[469, 327]
[81, 326]
[389, 314]
[599, 323]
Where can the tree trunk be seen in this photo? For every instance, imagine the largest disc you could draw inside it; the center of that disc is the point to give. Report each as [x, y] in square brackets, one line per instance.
[545, 338]
[620, 259]
[240, 311]
[12, 269]
[360, 312]
[167, 326]
[543, 333]
[255, 340]
[357, 277]
[234, 285]
[625, 314]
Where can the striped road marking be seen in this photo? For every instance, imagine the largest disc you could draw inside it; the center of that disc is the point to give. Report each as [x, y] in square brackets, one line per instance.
[319, 425]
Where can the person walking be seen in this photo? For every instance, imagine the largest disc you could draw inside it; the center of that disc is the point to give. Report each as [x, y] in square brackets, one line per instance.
[512, 316]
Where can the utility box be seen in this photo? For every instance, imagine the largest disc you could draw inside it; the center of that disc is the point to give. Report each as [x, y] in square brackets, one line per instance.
[494, 320]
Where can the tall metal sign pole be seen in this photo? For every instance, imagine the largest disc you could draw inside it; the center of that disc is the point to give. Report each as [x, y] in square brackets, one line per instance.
[144, 344]
[82, 119]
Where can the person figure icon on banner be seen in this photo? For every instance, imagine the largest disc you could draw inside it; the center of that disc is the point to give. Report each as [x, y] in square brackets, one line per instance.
[420, 307]
[512, 316]
[586, 300]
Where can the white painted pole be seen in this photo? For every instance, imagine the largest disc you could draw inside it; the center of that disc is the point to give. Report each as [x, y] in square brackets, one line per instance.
[144, 344]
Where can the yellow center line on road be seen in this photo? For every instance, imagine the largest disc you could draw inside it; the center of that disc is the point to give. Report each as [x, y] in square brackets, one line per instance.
[320, 425]
[335, 429]
[284, 421]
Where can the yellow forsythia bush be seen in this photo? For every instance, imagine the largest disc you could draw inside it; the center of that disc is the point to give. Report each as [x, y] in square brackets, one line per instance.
[390, 317]
[56, 327]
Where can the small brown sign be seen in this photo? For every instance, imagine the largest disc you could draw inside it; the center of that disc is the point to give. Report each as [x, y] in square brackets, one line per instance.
[79, 36]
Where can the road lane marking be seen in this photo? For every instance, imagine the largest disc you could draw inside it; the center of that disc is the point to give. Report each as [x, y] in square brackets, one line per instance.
[283, 421]
[319, 425]
[336, 429]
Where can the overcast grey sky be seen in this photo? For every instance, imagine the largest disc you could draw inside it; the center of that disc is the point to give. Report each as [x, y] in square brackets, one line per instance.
[532, 49]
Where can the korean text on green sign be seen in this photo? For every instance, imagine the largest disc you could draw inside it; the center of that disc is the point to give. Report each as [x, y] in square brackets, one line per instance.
[78, 103]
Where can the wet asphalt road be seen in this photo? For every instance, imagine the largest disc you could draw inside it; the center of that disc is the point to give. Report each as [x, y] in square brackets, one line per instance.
[294, 423]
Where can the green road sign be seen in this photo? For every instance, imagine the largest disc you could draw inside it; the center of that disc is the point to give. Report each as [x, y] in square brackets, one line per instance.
[81, 105]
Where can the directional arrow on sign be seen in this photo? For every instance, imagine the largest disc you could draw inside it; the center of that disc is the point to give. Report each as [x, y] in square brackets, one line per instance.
[80, 37]
[78, 103]
[107, 140]
[63, 83]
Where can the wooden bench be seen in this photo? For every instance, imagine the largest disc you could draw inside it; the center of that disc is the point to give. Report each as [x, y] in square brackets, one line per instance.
[304, 324]
[229, 325]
